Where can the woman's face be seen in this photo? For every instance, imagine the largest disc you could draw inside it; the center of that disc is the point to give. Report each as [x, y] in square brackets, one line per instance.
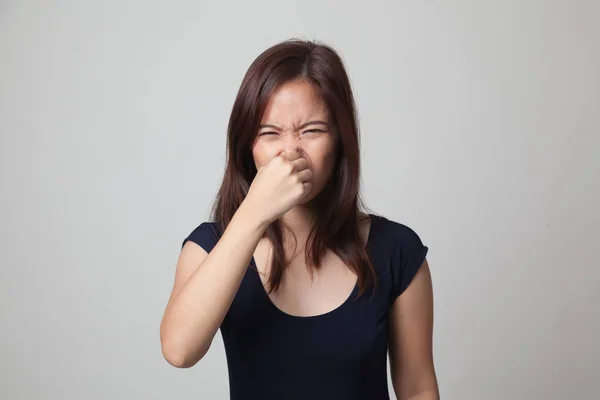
[297, 119]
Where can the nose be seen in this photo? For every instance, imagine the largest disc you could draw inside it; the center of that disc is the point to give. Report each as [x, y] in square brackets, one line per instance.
[291, 143]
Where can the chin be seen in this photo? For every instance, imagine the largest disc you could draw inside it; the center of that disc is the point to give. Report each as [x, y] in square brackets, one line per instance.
[310, 197]
[306, 200]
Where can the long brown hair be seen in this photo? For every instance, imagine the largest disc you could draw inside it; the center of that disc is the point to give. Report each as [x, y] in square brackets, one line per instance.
[337, 207]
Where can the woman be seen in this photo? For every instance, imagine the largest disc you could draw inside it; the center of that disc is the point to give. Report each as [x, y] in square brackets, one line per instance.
[309, 292]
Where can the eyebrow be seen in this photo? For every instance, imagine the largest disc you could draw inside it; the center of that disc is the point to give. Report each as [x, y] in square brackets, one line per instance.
[304, 125]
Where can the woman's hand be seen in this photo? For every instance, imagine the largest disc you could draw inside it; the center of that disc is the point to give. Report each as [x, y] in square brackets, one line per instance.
[279, 186]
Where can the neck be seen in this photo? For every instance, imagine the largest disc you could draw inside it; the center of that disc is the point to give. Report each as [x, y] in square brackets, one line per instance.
[299, 220]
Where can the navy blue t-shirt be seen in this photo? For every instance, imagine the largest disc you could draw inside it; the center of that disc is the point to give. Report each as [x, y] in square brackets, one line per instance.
[341, 354]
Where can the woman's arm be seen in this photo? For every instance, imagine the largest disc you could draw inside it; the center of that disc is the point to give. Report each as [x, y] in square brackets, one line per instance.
[411, 336]
[206, 284]
[204, 288]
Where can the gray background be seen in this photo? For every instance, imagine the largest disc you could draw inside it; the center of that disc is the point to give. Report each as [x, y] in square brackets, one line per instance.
[480, 124]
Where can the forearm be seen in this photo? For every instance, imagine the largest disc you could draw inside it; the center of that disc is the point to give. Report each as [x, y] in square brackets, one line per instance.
[424, 395]
[418, 385]
[195, 314]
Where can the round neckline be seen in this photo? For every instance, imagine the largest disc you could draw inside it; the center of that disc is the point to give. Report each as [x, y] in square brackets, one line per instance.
[337, 309]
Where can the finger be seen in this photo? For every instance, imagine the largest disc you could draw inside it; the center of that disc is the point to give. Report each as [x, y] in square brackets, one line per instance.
[307, 186]
[300, 164]
[304, 175]
[278, 157]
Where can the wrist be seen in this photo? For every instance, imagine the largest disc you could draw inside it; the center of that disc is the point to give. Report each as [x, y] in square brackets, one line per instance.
[250, 216]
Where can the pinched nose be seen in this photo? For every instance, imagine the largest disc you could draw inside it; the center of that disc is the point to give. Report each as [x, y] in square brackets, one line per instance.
[290, 145]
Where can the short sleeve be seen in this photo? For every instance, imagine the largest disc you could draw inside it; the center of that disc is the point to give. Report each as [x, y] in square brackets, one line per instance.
[206, 236]
[407, 256]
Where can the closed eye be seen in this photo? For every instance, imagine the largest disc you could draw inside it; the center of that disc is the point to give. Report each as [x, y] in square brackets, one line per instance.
[268, 133]
[314, 131]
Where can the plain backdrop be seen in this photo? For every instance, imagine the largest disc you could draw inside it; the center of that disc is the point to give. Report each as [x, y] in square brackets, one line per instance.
[480, 130]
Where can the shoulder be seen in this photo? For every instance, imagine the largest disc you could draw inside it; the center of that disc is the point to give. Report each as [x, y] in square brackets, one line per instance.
[393, 232]
[206, 235]
[399, 249]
